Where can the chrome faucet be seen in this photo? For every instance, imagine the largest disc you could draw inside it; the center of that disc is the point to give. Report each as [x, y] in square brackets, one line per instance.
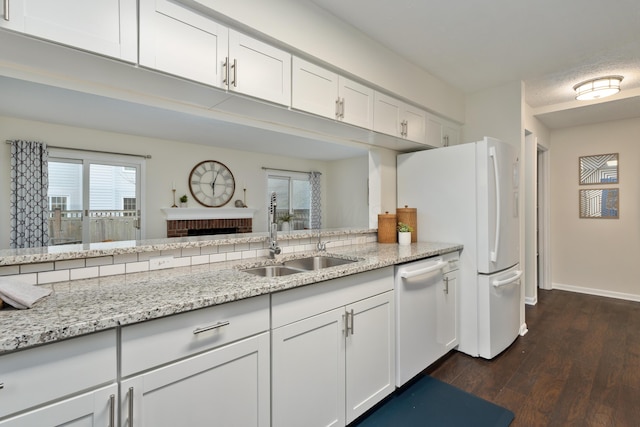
[274, 249]
[321, 246]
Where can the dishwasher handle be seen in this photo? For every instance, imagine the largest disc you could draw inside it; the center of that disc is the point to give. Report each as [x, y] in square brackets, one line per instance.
[497, 283]
[408, 274]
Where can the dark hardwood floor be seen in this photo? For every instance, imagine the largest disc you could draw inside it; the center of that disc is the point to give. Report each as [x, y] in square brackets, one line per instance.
[579, 365]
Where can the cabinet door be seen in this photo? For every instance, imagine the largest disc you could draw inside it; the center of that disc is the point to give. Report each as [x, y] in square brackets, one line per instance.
[387, 113]
[93, 409]
[450, 134]
[107, 27]
[434, 131]
[416, 124]
[370, 353]
[228, 386]
[258, 69]
[314, 89]
[356, 103]
[447, 308]
[308, 372]
[183, 42]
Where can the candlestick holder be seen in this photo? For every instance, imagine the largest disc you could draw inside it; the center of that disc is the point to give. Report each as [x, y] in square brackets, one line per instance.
[174, 199]
[244, 198]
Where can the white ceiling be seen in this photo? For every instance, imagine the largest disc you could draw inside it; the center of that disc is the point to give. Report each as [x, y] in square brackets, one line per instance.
[549, 44]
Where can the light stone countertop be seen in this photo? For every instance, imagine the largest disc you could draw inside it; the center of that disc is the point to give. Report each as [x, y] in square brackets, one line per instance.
[85, 306]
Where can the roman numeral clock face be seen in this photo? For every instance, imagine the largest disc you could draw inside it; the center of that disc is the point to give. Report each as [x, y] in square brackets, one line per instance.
[211, 183]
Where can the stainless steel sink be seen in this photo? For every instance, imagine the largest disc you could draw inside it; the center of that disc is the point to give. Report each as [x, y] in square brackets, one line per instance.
[273, 270]
[316, 262]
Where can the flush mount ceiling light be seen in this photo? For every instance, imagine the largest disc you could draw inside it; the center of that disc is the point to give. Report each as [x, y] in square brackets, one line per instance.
[598, 88]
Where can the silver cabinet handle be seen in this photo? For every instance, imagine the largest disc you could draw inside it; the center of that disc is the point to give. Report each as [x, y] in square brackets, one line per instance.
[352, 321]
[225, 70]
[112, 410]
[1, 386]
[446, 285]
[130, 406]
[342, 108]
[210, 327]
[234, 82]
[337, 107]
[6, 10]
[347, 328]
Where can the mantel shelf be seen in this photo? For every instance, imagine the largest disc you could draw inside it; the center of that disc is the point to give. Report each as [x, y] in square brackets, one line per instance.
[208, 213]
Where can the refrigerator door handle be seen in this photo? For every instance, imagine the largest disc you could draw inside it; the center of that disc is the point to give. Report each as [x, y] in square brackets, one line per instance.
[496, 245]
[497, 283]
[408, 274]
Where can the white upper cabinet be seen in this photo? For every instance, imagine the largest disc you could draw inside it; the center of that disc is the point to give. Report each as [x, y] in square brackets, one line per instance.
[355, 103]
[327, 94]
[441, 133]
[314, 89]
[396, 118]
[258, 69]
[180, 41]
[107, 27]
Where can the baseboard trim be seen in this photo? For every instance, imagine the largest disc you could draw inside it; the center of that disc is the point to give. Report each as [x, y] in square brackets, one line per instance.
[531, 300]
[597, 292]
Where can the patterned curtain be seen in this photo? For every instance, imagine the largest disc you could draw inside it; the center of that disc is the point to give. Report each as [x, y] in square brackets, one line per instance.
[29, 203]
[315, 220]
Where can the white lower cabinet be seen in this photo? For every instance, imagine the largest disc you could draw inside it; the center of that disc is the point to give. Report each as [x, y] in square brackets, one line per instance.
[94, 409]
[331, 365]
[64, 383]
[205, 367]
[228, 386]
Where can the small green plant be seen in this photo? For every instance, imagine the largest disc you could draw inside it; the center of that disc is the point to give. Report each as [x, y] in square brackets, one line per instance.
[285, 217]
[183, 198]
[404, 228]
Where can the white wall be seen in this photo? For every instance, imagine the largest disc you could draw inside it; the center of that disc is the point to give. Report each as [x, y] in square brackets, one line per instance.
[347, 203]
[598, 256]
[382, 183]
[314, 32]
[500, 113]
[171, 161]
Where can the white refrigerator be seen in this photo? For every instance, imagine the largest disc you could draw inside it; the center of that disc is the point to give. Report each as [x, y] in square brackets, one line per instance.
[468, 194]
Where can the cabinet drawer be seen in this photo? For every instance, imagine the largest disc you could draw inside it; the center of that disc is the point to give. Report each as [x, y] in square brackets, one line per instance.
[35, 376]
[306, 301]
[156, 342]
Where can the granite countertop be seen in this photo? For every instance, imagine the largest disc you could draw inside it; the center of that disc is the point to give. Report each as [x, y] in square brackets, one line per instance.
[84, 306]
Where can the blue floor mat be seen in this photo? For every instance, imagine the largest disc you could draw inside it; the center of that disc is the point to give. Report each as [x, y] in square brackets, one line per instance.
[428, 402]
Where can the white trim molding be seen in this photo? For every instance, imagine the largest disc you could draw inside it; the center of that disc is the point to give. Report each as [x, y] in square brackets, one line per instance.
[597, 292]
[208, 213]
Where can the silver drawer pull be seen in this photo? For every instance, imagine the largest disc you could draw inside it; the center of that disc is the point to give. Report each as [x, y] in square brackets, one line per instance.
[130, 406]
[6, 10]
[210, 327]
[1, 386]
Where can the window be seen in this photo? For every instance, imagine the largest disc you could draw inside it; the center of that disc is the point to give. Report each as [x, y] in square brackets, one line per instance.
[58, 202]
[99, 196]
[293, 193]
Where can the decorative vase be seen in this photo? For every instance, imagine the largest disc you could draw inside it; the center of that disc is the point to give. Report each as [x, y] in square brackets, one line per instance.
[183, 204]
[286, 226]
[404, 238]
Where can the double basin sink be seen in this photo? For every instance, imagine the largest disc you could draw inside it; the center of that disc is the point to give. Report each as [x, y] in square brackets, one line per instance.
[298, 265]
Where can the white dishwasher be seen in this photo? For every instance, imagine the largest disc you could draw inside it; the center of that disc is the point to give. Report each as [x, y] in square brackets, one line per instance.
[426, 313]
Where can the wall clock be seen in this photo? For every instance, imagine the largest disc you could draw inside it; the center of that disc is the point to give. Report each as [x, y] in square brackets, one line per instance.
[211, 183]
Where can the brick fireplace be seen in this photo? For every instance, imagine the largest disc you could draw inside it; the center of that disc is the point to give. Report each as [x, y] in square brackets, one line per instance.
[182, 222]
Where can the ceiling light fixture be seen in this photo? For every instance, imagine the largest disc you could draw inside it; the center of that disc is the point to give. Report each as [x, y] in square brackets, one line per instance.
[598, 88]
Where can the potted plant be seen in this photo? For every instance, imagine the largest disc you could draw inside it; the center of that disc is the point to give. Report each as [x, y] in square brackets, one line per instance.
[285, 218]
[404, 233]
[183, 201]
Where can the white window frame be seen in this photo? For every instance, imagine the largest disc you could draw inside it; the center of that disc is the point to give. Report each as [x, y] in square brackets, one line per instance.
[89, 157]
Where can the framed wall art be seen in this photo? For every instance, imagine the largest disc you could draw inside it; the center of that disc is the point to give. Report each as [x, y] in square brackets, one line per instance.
[599, 169]
[599, 203]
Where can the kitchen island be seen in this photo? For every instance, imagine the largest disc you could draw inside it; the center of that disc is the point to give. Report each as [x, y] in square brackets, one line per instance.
[183, 335]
